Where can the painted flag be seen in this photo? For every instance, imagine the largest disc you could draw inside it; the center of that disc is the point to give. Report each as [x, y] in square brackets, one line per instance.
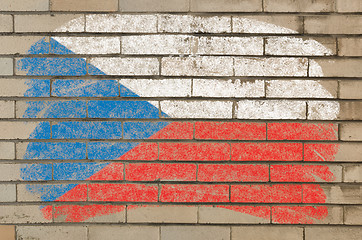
[120, 133]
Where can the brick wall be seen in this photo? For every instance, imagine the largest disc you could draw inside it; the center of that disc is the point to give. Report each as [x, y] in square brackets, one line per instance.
[180, 119]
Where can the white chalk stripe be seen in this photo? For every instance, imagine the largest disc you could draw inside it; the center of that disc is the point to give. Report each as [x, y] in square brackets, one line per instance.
[244, 67]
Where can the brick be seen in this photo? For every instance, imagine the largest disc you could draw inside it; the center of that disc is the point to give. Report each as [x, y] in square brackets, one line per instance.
[144, 130]
[230, 130]
[343, 152]
[302, 131]
[55, 109]
[122, 192]
[232, 173]
[18, 5]
[335, 67]
[228, 46]
[271, 109]
[194, 24]
[336, 194]
[90, 213]
[158, 87]
[350, 46]
[154, 5]
[194, 232]
[332, 233]
[7, 109]
[286, 67]
[24, 130]
[197, 66]
[176, 130]
[83, 5]
[349, 6]
[305, 173]
[6, 66]
[228, 88]
[143, 151]
[52, 232]
[10, 172]
[18, 44]
[352, 215]
[160, 172]
[225, 6]
[8, 193]
[350, 89]
[351, 131]
[266, 152]
[26, 172]
[6, 23]
[194, 193]
[127, 232]
[194, 151]
[7, 232]
[352, 173]
[281, 193]
[84, 171]
[48, 193]
[300, 46]
[301, 89]
[299, 6]
[84, 88]
[50, 66]
[88, 45]
[267, 233]
[234, 214]
[336, 24]
[7, 150]
[125, 66]
[323, 110]
[87, 130]
[51, 150]
[22, 214]
[156, 44]
[350, 111]
[161, 214]
[277, 24]
[49, 23]
[307, 215]
[24, 87]
[197, 109]
[116, 109]
[121, 23]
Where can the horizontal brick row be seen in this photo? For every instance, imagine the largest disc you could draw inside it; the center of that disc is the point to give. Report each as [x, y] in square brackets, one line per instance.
[188, 232]
[183, 214]
[348, 89]
[184, 6]
[180, 45]
[151, 172]
[187, 109]
[344, 152]
[185, 88]
[341, 24]
[180, 130]
[198, 193]
[169, 172]
[187, 66]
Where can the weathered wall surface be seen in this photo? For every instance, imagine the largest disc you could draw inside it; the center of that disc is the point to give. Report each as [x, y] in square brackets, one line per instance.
[181, 119]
